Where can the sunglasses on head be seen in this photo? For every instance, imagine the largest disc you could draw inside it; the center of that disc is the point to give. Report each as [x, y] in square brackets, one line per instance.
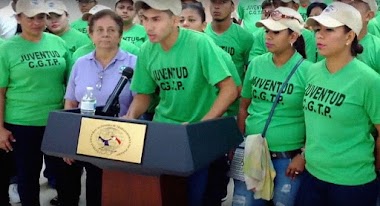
[277, 15]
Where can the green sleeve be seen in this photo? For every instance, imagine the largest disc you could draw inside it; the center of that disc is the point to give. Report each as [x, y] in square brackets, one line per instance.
[373, 27]
[129, 47]
[4, 69]
[232, 68]
[240, 11]
[246, 91]
[142, 81]
[371, 101]
[69, 63]
[214, 67]
[310, 45]
[258, 46]
[248, 45]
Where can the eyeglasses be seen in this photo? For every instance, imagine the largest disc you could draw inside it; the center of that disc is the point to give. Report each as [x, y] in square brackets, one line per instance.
[267, 12]
[277, 15]
[100, 80]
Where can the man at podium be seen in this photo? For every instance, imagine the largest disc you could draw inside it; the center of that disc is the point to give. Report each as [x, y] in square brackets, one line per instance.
[194, 82]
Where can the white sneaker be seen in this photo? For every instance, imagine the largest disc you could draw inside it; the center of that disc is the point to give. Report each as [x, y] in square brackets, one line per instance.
[13, 194]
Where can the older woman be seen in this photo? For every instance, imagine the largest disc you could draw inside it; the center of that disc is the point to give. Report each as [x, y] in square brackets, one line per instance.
[101, 69]
[34, 71]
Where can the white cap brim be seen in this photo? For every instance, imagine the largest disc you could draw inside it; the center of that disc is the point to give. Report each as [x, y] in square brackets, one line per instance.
[56, 11]
[34, 12]
[271, 25]
[324, 20]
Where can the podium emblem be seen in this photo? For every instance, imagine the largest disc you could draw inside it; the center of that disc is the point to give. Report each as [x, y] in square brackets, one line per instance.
[114, 140]
[110, 139]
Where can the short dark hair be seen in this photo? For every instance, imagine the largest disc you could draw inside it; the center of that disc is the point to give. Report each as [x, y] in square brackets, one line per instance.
[103, 13]
[196, 7]
[131, 1]
[315, 5]
[266, 3]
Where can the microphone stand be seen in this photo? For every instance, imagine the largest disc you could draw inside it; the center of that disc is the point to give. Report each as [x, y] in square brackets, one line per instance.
[114, 109]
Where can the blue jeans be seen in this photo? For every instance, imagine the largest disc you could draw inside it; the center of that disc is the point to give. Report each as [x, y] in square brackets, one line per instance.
[27, 157]
[314, 192]
[196, 187]
[285, 188]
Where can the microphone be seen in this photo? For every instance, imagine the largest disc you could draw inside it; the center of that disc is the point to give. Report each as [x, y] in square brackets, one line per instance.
[112, 107]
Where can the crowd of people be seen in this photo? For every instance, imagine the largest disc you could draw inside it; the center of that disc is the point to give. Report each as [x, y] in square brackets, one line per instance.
[316, 60]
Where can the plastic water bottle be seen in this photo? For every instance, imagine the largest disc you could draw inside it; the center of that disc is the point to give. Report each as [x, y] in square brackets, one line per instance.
[88, 103]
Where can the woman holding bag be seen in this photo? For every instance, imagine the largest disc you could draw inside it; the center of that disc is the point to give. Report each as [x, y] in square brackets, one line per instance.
[286, 131]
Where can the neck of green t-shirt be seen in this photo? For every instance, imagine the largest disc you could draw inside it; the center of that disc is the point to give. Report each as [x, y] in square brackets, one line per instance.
[336, 62]
[127, 25]
[220, 27]
[283, 57]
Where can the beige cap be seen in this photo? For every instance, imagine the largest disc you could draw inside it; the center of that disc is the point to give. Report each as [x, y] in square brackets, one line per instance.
[287, 1]
[94, 10]
[287, 19]
[31, 7]
[174, 6]
[117, 1]
[56, 6]
[338, 14]
[372, 5]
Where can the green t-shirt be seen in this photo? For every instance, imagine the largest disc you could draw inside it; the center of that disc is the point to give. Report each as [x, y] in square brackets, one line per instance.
[374, 26]
[135, 35]
[302, 10]
[75, 39]
[35, 75]
[340, 110]
[259, 47]
[80, 25]
[187, 85]
[1, 41]
[233, 109]
[371, 51]
[86, 49]
[235, 41]
[261, 84]
[249, 12]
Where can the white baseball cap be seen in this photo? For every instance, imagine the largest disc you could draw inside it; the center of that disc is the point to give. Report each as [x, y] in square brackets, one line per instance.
[56, 6]
[372, 5]
[94, 10]
[117, 1]
[31, 7]
[174, 6]
[338, 14]
[283, 18]
[287, 1]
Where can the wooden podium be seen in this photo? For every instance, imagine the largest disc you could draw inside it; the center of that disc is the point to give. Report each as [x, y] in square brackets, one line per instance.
[171, 152]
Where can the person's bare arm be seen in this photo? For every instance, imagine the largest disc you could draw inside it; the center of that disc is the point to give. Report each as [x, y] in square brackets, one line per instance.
[6, 136]
[227, 95]
[139, 106]
[70, 104]
[243, 113]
